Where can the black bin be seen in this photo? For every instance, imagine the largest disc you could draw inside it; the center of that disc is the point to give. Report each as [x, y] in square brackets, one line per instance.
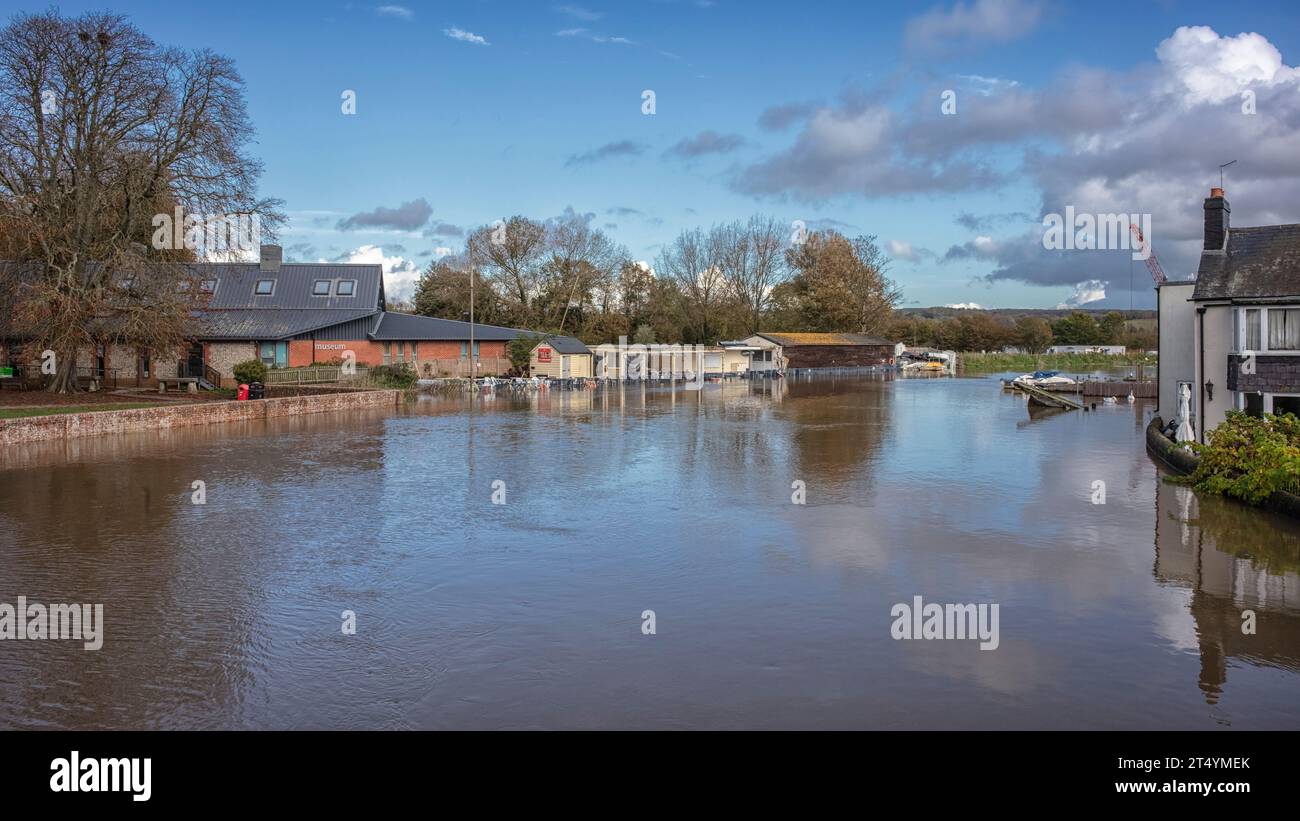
[257, 391]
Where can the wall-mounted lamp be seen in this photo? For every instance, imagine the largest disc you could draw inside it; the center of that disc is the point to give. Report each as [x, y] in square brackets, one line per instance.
[1209, 390]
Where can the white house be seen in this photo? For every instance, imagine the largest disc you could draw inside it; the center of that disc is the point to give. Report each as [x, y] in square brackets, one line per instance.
[1233, 334]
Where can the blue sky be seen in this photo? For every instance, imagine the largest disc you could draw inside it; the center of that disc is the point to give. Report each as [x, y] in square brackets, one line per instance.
[825, 112]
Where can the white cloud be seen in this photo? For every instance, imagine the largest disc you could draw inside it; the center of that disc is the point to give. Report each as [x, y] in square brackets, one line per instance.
[400, 273]
[1092, 290]
[965, 25]
[465, 36]
[593, 37]
[579, 13]
[395, 11]
[1210, 68]
[966, 306]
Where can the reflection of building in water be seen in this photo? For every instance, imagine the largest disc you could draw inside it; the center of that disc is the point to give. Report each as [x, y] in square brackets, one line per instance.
[1233, 560]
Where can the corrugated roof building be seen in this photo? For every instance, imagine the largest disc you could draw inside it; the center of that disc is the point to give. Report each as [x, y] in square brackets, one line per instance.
[297, 314]
[793, 351]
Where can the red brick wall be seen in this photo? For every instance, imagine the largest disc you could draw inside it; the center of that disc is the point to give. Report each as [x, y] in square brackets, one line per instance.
[304, 352]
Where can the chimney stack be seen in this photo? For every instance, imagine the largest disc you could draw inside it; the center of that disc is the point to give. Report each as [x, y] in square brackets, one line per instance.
[1217, 212]
[273, 255]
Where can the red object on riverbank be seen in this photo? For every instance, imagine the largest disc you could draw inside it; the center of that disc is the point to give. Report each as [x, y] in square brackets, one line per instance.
[243, 393]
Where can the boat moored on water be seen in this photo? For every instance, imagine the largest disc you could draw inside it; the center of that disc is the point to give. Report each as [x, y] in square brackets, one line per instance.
[1044, 379]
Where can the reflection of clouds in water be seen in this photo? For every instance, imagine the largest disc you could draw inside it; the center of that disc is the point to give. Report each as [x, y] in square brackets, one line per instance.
[1174, 622]
[842, 535]
[1015, 668]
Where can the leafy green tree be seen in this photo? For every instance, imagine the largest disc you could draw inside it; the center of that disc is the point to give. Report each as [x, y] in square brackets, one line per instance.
[1078, 328]
[443, 292]
[520, 351]
[1033, 334]
[1112, 328]
[840, 284]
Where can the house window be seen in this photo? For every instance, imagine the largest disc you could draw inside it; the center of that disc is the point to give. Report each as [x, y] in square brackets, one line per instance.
[274, 354]
[265, 287]
[401, 351]
[1283, 329]
[388, 353]
[346, 287]
[1253, 330]
[464, 350]
[208, 286]
[1286, 404]
[320, 287]
[1254, 404]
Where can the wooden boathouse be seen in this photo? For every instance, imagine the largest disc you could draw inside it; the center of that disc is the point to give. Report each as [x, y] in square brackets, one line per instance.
[823, 351]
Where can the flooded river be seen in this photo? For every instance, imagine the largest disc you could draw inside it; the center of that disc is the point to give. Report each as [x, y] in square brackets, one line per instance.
[532, 613]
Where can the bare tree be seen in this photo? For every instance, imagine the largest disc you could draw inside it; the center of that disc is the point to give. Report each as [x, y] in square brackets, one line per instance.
[692, 260]
[511, 254]
[581, 259]
[752, 259]
[100, 129]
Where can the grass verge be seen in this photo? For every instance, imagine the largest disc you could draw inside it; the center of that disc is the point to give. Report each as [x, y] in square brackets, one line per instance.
[23, 413]
[997, 362]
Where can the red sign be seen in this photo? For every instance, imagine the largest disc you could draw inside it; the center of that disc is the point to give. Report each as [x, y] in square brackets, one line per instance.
[543, 354]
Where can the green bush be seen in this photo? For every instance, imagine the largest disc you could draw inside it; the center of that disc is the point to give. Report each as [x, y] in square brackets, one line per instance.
[400, 376]
[249, 371]
[520, 351]
[1250, 457]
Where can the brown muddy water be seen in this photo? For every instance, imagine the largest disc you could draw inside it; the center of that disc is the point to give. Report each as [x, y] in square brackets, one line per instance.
[528, 614]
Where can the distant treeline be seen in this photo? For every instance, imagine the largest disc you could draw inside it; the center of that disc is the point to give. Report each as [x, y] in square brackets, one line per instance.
[977, 330]
[564, 276]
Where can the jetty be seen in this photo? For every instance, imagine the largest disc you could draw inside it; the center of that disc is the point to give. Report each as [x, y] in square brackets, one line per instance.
[1050, 399]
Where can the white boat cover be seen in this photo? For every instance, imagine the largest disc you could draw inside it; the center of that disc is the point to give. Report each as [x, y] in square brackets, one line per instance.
[1184, 432]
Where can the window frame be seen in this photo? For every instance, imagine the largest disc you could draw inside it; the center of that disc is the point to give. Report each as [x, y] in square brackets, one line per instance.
[316, 283]
[258, 285]
[1239, 330]
[352, 287]
[1269, 397]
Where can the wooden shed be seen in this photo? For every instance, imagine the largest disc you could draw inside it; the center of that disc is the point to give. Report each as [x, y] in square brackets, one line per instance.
[560, 357]
[812, 351]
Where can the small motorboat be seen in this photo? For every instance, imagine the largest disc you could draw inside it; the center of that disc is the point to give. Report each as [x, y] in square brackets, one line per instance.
[1045, 379]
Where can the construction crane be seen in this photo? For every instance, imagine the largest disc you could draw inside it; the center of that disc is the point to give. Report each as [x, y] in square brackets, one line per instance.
[1153, 264]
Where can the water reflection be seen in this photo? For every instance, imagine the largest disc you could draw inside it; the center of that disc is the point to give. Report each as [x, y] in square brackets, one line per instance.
[1233, 561]
[527, 614]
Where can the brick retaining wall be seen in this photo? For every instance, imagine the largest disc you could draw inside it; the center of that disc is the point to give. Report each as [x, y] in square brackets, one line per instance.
[97, 423]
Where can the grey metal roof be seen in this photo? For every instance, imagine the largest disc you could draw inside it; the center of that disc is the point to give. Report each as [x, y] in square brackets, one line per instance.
[1258, 264]
[293, 285]
[269, 323]
[794, 339]
[395, 326]
[566, 344]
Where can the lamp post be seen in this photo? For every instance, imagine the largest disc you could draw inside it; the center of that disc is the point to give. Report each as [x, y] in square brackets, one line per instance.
[473, 365]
